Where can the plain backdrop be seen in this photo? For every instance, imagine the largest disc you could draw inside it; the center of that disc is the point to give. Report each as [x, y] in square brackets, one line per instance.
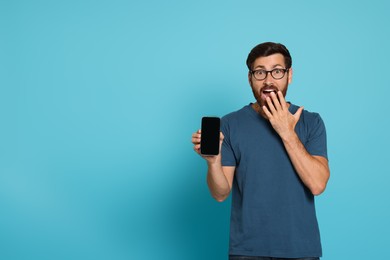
[98, 101]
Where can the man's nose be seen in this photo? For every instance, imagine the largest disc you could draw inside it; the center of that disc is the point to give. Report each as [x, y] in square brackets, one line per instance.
[268, 78]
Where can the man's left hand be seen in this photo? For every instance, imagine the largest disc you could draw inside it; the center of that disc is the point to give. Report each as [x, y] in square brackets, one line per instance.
[280, 117]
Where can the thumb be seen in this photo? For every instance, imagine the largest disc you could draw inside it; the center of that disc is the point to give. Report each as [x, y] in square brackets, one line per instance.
[297, 114]
[221, 136]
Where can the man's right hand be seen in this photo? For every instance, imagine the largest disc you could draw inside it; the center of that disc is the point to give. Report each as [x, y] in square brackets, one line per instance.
[219, 178]
[196, 137]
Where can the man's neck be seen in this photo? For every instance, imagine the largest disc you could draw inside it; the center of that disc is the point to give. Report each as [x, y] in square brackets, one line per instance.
[259, 110]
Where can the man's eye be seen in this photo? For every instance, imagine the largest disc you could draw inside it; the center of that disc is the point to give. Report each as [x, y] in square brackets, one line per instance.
[260, 72]
[277, 71]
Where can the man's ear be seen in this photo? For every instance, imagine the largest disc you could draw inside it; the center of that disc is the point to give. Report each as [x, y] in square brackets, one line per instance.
[250, 78]
[290, 75]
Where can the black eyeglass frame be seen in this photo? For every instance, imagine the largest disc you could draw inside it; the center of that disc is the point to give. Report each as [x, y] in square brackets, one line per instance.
[270, 71]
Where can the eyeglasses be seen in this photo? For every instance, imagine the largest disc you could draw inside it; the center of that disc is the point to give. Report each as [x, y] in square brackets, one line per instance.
[275, 73]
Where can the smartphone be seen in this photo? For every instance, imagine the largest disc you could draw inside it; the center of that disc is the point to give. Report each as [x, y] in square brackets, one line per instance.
[209, 142]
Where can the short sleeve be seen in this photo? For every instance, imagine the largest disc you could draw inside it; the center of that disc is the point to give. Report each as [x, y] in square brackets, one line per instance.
[228, 158]
[316, 139]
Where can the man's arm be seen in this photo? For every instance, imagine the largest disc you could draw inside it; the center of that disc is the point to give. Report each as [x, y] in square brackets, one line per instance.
[219, 178]
[312, 170]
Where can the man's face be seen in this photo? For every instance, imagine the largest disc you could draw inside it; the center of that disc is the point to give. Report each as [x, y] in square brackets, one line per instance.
[263, 88]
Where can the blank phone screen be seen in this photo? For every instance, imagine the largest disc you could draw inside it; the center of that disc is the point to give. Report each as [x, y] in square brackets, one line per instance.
[209, 144]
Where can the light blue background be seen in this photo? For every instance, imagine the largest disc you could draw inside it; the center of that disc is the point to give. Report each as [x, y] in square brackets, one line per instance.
[98, 100]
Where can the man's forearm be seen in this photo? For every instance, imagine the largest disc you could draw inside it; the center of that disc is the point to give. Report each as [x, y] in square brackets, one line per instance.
[312, 170]
[217, 182]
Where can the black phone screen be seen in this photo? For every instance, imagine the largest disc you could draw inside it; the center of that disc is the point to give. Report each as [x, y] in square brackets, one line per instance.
[209, 144]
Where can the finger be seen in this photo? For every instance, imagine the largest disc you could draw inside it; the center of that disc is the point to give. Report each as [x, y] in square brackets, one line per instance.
[298, 114]
[195, 138]
[196, 135]
[276, 101]
[282, 100]
[221, 136]
[267, 113]
[197, 132]
[197, 148]
[271, 106]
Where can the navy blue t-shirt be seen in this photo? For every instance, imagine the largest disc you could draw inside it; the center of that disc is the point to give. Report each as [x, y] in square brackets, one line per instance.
[273, 213]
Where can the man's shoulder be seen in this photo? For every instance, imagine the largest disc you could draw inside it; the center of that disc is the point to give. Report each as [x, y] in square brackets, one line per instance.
[235, 119]
[236, 114]
[307, 116]
[310, 123]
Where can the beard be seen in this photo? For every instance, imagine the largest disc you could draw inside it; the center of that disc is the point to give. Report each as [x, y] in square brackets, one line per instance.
[265, 91]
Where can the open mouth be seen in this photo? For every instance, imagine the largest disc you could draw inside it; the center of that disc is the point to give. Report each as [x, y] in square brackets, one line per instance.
[269, 91]
[266, 92]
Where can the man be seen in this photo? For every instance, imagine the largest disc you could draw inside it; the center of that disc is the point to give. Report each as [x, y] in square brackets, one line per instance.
[274, 158]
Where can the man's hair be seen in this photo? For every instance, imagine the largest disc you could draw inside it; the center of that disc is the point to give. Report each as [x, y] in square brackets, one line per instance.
[266, 49]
